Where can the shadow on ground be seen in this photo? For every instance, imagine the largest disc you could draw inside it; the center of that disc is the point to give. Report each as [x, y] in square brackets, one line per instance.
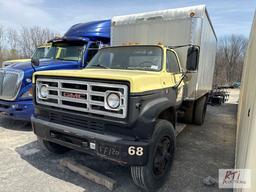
[17, 125]
[35, 154]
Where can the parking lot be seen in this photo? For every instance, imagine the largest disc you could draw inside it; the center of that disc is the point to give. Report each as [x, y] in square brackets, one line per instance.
[201, 151]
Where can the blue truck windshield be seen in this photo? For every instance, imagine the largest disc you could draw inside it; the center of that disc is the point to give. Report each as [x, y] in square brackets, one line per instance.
[41, 52]
[67, 52]
[147, 58]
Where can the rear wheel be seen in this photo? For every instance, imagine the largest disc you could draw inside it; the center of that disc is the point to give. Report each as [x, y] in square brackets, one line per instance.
[200, 110]
[161, 154]
[54, 148]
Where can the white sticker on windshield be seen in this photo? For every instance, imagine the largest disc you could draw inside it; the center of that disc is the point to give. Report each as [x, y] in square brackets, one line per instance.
[155, 67]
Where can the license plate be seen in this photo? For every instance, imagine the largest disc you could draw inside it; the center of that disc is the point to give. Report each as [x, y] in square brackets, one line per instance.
[108, 150]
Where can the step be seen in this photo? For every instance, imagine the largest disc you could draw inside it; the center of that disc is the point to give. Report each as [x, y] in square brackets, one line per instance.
[179, 128]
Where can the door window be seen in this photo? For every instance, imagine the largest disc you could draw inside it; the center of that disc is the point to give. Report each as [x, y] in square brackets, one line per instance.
[172, 64]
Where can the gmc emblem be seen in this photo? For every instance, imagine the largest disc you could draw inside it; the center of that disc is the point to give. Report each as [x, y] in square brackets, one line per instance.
[72, 95]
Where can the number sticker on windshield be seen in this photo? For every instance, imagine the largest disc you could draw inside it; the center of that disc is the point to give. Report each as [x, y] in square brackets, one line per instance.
[155, 67]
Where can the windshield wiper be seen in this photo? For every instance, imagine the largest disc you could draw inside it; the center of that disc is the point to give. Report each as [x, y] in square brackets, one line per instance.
[46, 58]
[100, 66]
[60, 59]
[64, 59]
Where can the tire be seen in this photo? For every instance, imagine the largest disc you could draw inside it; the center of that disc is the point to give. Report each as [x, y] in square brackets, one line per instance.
[150, 176]
[54, 148]
[200, 110]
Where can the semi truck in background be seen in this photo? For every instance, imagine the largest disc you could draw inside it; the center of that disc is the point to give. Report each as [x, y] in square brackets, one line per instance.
[72, 51]
[39, 53]
[124, 106]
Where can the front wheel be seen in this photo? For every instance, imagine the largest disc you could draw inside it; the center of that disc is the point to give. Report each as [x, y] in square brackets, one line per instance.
[161, 154]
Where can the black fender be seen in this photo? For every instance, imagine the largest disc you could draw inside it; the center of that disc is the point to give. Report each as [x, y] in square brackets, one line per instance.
[150, 109]
[155, 107]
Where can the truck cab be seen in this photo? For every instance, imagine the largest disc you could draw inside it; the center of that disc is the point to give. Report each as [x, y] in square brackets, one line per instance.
[121, 107]
[39, 53]
[72, 51]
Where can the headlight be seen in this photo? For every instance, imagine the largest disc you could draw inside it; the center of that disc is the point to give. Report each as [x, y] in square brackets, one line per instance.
[28, 80]
[43, 91]
[113, 100]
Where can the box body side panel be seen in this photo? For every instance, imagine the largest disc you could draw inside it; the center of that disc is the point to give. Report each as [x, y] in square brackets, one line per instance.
[207, 59]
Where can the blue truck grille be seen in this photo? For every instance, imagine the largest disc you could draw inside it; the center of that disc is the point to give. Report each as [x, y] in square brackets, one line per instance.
[10, 82]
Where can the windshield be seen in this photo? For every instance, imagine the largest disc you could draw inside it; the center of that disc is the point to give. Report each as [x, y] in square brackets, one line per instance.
[148, 58]
[64, 51]
[41, 52]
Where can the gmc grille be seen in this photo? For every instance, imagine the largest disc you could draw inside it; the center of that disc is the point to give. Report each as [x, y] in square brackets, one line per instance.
[82, 95]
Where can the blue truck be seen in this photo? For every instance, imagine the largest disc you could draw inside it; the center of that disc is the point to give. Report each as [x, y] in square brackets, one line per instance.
[72, 51]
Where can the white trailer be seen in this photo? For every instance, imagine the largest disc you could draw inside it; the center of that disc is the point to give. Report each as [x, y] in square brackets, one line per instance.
[174, 27]
[246, 118]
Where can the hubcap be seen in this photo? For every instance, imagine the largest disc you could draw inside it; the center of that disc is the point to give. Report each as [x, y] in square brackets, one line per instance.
[162, 156]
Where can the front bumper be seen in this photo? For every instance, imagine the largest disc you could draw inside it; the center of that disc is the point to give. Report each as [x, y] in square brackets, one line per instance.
[19, 110]
[121, 149]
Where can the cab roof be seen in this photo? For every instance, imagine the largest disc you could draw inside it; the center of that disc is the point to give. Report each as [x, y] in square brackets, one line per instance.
[95, 30]
[139, 45]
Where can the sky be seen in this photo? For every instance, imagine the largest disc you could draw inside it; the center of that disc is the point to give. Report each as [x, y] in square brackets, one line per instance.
[228, 16]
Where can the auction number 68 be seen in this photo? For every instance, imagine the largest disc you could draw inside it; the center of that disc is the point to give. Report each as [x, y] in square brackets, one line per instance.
[135, 151]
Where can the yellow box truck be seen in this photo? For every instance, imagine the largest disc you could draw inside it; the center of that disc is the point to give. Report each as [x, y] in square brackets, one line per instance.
[124, 105]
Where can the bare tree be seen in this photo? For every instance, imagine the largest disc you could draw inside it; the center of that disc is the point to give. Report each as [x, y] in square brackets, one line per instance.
[220, 69]
[229, 60]
[13, 43]
[21, 43]
[31, 38]
[2, 40]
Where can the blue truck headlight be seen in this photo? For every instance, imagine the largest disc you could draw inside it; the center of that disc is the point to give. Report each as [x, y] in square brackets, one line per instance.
[113, 100]
[43, 91]
[28, 80]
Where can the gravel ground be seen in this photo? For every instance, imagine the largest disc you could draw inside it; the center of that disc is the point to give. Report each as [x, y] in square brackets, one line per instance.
[201, 150]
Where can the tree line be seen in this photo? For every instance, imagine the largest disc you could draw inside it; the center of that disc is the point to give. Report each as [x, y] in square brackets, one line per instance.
[22, 42]
[230, 56]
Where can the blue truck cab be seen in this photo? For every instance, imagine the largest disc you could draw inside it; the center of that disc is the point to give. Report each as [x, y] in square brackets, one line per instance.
[72, 51]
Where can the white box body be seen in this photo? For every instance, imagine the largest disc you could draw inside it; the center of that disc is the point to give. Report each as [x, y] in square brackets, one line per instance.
[173, 27]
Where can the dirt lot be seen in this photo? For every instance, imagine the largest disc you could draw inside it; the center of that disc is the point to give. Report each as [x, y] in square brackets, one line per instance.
[201, 151]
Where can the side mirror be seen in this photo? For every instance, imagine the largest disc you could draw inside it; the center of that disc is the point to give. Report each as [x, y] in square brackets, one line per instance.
[35, 62]
[192, 58]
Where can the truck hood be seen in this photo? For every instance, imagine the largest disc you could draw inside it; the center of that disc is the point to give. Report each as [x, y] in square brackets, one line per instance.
[17, 61]
[45, 64]
[140, 81]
